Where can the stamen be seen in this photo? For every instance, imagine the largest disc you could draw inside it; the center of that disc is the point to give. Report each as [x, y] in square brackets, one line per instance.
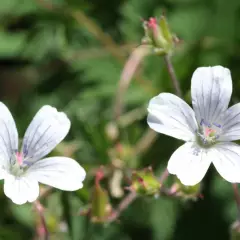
[25, 151]
[217, 125]
[205, 123]
[208, 124]
[209, 132]
[27, 163]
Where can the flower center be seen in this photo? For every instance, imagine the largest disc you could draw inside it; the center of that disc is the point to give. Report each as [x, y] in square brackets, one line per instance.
[208, 133]
[17, 168]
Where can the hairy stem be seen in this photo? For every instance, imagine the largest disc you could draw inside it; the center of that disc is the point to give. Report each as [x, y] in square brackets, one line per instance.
[145, 142]
[164, 176]
[42, 229]
[237, 198]
[173, 76]
[122, 206]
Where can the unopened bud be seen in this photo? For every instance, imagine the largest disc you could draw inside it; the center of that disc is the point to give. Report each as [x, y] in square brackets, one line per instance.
[100, 202]
[158, 35]
[144, 182]
[187, 192]
[112, 131]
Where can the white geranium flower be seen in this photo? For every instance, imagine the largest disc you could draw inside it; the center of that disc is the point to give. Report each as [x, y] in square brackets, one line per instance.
[22, 171]
[208, 130]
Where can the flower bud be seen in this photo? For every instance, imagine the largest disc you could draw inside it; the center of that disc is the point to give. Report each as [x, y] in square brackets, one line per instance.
[100, 208]
[144, 182]
[158, 35]
[187, 192]
[112, 131]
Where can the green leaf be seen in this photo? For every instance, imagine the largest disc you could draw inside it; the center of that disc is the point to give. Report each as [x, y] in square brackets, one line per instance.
[11, 44]
[24, 214]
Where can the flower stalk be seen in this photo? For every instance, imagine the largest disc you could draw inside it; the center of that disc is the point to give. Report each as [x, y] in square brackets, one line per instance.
[122, 206]
[172, 75]
[237, 198]
[42, 229]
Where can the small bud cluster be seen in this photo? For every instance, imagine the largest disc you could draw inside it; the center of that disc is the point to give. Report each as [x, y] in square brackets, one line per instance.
[100, 208]
[158, 35]
[144, 182]
[187, 192]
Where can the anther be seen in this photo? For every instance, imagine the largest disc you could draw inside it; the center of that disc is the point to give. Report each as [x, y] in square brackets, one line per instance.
[25, 151]
[217, 125]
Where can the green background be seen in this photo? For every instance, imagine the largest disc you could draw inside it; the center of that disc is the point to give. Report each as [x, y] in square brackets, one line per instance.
[70, 54]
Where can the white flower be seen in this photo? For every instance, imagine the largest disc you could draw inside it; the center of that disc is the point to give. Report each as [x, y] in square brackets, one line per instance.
[22, 171]
[208, 130]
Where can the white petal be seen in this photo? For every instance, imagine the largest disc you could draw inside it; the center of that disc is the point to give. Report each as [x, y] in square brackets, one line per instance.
[59, 172]
[211, 90]
[8, 135]
[47, 129]
[227, 161]
[170, 115]
[21, 189]
[189, 163]
[231, 124]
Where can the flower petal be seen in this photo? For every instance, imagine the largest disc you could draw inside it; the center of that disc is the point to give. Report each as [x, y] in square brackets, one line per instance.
[8, 135]
[231, 124]
[227, 161]
[211, 90]
[189, 163]
[59, 172]
[21, 189]
[47, 129]
[170, 115]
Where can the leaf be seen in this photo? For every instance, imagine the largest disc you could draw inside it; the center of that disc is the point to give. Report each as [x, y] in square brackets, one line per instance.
[163, 215]
[11, 44]
[24, 214]
[185, 22]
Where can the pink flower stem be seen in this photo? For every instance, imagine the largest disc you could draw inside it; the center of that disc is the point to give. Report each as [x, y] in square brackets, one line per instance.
[172, 75]
[122, 206]
[42, 228]
[237, 197]
[132, 196]
[164, 176]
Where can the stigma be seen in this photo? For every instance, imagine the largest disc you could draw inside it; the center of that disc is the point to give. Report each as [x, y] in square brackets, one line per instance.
[209, 132]
[19, 158]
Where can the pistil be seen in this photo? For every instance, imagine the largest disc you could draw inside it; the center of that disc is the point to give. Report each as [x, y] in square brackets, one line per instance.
[208, 132]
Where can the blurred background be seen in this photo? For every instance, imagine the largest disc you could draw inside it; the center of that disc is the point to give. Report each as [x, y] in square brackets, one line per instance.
[70, 54]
